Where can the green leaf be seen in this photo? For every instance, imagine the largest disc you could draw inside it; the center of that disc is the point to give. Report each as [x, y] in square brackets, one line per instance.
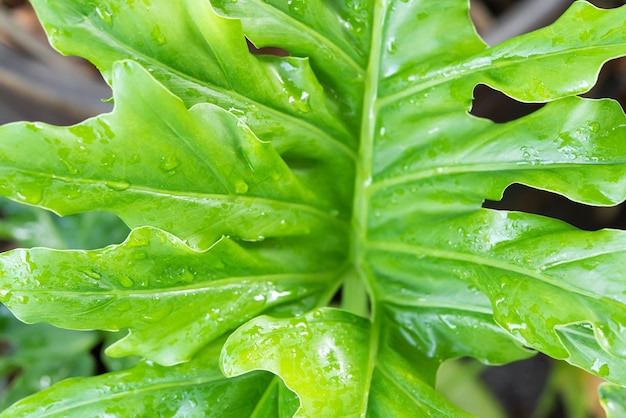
[35, 357]
[229, 181]
[353, 161]
[320, 356]
[194, 389]
[613, 399]
[28, 226]
[279, 99]
[163, 291]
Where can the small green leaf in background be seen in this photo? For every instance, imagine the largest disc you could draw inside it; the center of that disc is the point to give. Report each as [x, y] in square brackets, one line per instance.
[35, 357]
[613, 399]
[28, 226]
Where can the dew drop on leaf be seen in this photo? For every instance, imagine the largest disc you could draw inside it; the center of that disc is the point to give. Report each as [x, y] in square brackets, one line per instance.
[169, 163]
[297, 7]
[158, 313]
[118, 186]
[594, 126]
[30, 194]
[126, 281]
[241, 187]
[92, 274]
[157, 35]
[105, 15]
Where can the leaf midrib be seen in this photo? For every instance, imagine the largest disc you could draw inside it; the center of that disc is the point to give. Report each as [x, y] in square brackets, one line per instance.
[452, 169]
[135, 293]
[362, 191]
[148, 388]
[193, 196]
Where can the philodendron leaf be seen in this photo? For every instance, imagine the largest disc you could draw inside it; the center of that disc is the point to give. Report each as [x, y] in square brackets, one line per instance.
[202, 175]
[194, 389]
[355, 158]
[174, 300]
[324, 358]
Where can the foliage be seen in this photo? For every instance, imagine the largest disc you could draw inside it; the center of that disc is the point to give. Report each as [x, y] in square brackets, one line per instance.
[256, 187]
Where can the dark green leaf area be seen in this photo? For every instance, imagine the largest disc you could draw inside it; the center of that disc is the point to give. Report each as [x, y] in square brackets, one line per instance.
[173, 299]
[194, 389]
[34, 357]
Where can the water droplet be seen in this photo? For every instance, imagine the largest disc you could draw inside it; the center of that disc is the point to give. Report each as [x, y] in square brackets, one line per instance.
[30, 193]
[241, 187]
[139, 255]
[126, 281]
[105, 15]
[158, 313]
[92, 274]
[187, 275]
[297, 7]
[594, 126]
[169, 163]
[23, 299]
[392, 47]
[301, 103]
[44, 382]
[530, 155]
[157, 35]
[118, 186]
[63, 154]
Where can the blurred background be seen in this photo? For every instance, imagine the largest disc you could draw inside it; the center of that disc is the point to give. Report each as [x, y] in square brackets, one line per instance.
[37, 84]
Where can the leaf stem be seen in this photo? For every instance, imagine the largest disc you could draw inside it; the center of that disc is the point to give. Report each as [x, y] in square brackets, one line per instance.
[354, 296]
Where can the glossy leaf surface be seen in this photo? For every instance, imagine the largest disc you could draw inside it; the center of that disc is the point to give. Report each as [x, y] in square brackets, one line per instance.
[194, 389]
[321, 357]
[259, 185]
[172, 299]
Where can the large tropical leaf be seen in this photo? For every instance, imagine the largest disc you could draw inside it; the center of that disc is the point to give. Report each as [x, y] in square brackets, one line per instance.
[259, 184]
[147, 389]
